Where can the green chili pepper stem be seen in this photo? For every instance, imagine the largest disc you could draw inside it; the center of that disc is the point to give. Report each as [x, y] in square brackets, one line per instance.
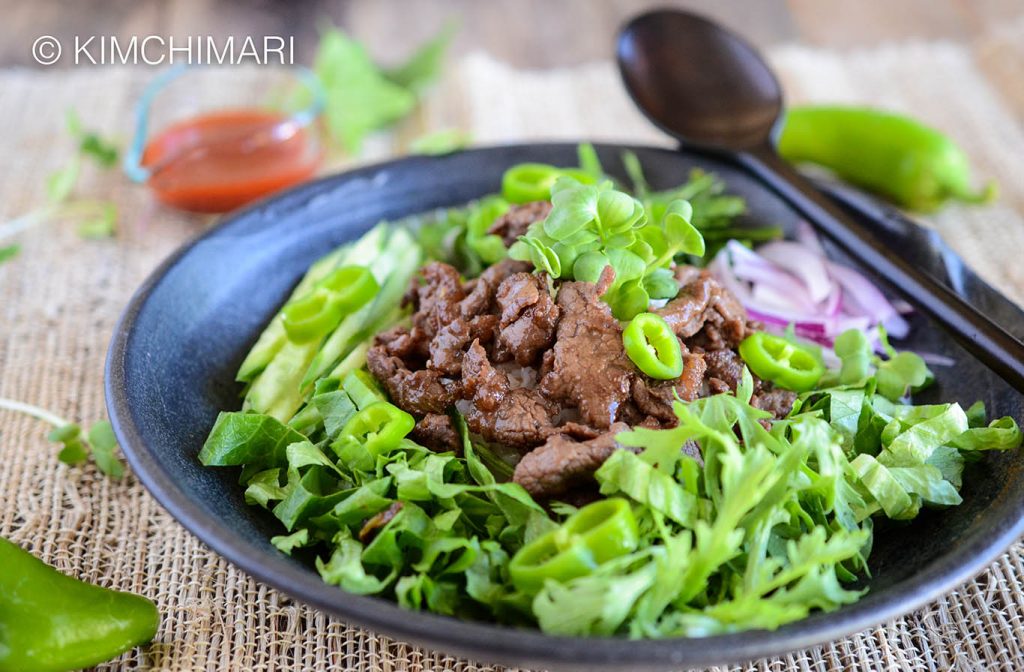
[893, 155]
[51, 622]
[653, 347]
[33, 411]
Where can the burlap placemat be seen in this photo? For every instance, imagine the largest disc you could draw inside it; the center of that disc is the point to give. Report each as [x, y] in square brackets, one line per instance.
[59, 301]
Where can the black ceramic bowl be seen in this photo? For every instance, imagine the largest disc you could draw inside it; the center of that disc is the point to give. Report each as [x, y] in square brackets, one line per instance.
[173, 357]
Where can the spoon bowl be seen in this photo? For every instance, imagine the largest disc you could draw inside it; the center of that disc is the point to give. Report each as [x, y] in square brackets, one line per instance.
[698, 81]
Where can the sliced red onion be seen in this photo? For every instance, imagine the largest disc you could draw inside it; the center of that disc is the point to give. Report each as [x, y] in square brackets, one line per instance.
[793, 282]
[803, 262]
[935, 359]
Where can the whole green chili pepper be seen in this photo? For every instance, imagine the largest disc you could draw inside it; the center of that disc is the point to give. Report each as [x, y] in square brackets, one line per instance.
[900, 158]
[595, 534]
[652, 346]
[50, 622]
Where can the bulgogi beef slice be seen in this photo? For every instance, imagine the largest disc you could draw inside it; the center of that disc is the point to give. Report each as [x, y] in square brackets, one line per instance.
[418, 392]
[655, 397]
[435, 431]
[687, 313]
[482, 290]
[517, 220]
[724, 370]
[775, 400]
[516, 417]
[447, 346]
[725, 373]
[400, 342]
[563, 463]
[436, 300]
[527, 320]
[376, 523]
[588, 368]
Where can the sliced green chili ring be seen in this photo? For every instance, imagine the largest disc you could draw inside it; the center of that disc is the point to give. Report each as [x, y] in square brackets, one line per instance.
[528, 182]
[608, 526]
[343, 291]
[312, 316]
[595, 534]
[781, 361]
[352, 286]
[380, 427]
[651, 344]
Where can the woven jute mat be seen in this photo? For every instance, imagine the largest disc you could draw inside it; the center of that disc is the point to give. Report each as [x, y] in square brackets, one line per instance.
[60, 298]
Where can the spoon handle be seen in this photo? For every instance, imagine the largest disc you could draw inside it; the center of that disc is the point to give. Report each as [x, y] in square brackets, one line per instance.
[976, 332]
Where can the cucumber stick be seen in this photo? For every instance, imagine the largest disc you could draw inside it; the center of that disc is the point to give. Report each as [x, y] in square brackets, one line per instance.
[274, 337]
[277, 390]
[393, 270]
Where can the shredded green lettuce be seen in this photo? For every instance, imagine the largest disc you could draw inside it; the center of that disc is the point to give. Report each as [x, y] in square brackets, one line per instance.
[745, 521]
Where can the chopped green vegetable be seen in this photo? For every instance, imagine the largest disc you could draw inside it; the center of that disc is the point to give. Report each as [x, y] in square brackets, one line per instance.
[438, 143]
[9, 252]
[528, 182]
[318, 313]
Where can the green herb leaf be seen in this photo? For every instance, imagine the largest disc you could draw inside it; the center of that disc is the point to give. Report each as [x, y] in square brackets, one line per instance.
[626, 473]
[104, 447]
[589, 162]
[61, 183]
[439, 143]
[9, 252]
[424, 67]
[100, 150]
[74, 450]
[854, 351]
[359, 98]
[102, 224]
[901, 373]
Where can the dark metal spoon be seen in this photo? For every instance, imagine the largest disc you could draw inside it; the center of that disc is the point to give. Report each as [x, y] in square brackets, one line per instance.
[712, 91]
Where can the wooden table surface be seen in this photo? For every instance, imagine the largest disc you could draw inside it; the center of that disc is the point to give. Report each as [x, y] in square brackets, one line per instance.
[534, 33]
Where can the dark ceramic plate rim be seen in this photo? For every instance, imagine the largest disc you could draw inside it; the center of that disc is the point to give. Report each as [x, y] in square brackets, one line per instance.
[487, 642]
